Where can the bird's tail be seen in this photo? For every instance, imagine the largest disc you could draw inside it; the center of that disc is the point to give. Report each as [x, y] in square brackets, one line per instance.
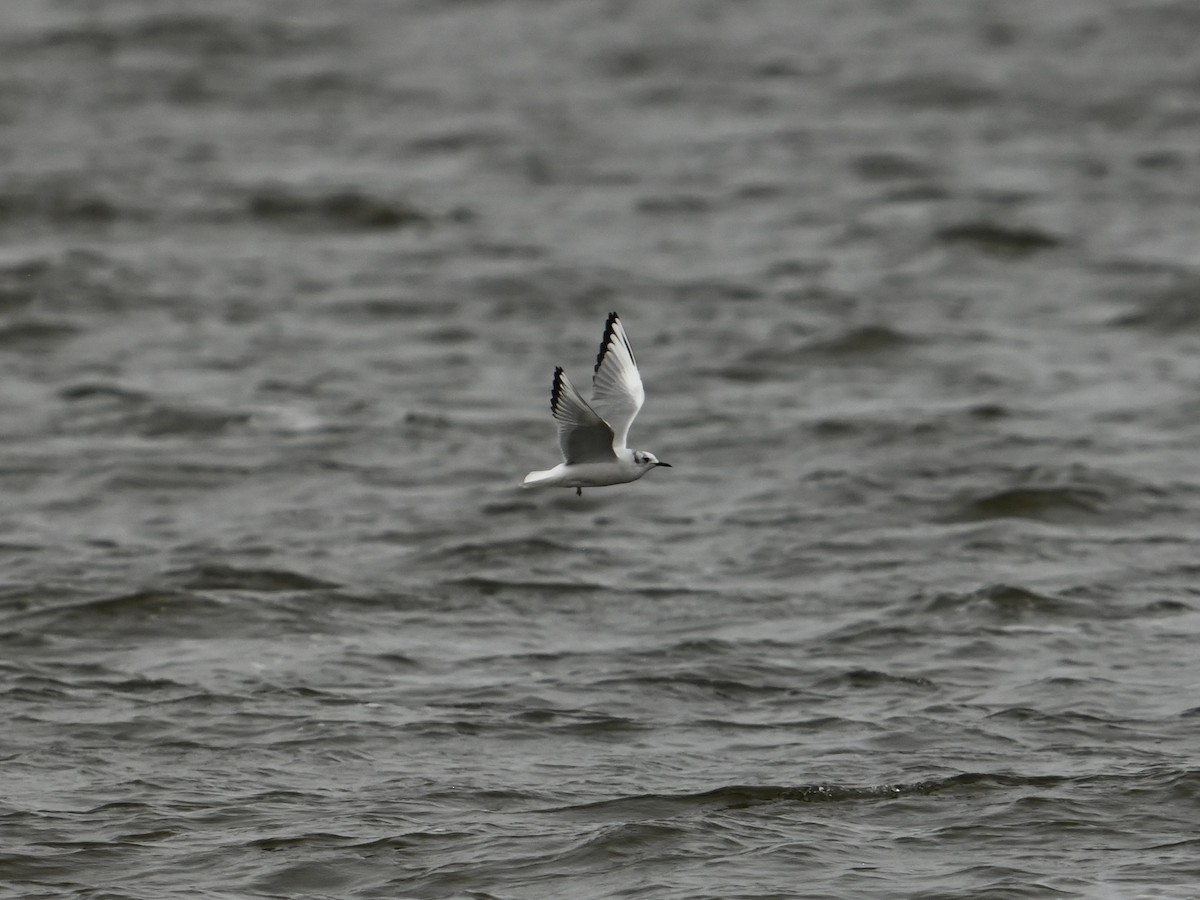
[537, 479]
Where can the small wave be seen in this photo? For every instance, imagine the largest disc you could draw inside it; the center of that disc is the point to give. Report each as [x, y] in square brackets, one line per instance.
[14, 297]
[863, 340]
[492, 586]
[196, 34]
[296, 879]
[460, 140]
[729, 682]
[106, 407]
[1006, 601]
[818, 725]
[45, 690]
[930, 90]
[917, 193]
[62, 202]
[302, 842]
[716, 292]
[372, 305]
[584, 724]
[216, 577]
[347, 209]
[72, 281]
[171, 420]
[686, 205]
[1175, 309]
[740, 796]
[34, 335]
[871, 678]
[861, 344]
[501, 551]
[622, 840]
[1048, 503]
[103, 391]
[891, 167]
[139, 685]
[1061, 494]
[176, 475]
[411, 840]
[872, 632]
[1093, 725]
[1166, 607]
[1001, 240]
[140, 612]
[698, 648]
[989, 411]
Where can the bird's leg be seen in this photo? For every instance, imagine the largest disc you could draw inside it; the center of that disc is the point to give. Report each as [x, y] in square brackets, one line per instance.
[578, 492]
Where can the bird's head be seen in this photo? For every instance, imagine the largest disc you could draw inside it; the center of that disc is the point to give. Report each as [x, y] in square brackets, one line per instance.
[647, 461]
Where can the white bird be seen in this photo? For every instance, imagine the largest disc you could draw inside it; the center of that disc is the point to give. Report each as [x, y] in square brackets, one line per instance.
[592, 436]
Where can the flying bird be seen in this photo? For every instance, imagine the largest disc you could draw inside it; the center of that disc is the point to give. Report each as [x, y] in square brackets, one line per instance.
[592, 435]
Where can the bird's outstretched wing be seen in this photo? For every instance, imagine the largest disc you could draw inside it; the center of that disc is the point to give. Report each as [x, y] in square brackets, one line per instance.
[583, 436]
[617, 392]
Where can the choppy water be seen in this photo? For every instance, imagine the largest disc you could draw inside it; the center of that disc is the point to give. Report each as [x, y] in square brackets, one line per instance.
[915, 288]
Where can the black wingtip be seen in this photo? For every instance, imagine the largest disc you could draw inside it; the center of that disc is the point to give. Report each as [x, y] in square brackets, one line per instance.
[604, 341]
[556, 389]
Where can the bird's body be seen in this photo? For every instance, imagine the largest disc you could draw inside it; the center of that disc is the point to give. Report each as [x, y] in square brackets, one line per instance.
[581, 475]
[592, 435]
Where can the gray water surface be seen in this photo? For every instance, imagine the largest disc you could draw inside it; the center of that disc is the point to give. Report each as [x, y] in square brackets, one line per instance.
[915, 291]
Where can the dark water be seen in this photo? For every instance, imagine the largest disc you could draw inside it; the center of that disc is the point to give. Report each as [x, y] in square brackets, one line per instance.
[915, 288]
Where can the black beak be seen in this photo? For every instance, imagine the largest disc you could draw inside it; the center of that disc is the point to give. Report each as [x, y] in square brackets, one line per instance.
[668, 465]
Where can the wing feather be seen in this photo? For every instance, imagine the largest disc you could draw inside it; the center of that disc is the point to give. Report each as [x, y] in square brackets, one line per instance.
[617, 391]
[583, 435]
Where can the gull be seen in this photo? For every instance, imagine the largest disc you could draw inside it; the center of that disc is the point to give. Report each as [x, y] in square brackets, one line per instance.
[592, 436]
